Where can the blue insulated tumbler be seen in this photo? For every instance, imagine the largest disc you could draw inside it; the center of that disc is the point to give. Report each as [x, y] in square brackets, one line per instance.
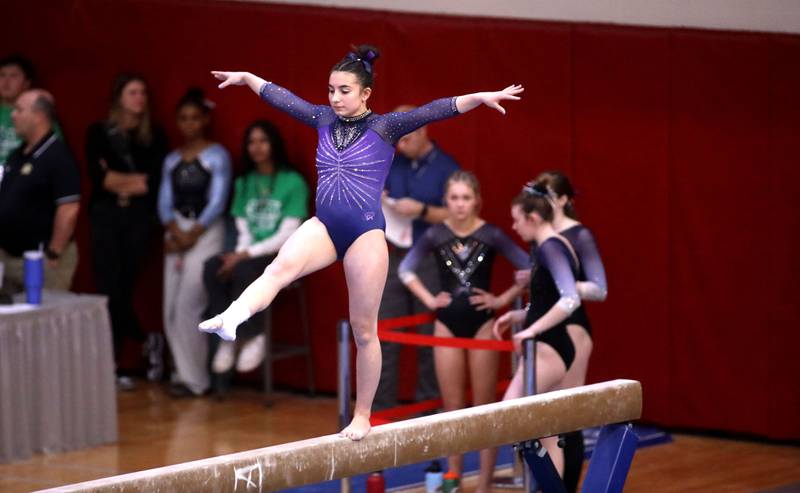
[34, 276]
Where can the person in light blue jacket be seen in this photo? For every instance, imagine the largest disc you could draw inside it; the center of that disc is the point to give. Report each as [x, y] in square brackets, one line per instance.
[193, 195]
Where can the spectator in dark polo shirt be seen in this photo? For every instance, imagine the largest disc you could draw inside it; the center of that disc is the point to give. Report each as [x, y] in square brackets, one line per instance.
[39, 196]
[414, 191]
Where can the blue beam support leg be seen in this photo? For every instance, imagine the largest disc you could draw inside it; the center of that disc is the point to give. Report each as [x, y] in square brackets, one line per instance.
[611, 459]
[541, 467]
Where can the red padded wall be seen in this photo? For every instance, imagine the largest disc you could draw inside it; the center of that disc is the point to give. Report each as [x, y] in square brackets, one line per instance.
[620, 149]
[683, 146]
[719, 130]
[778, 340]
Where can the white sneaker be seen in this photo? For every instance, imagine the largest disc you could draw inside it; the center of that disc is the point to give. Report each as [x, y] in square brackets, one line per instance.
[224, 357]
[251, 355]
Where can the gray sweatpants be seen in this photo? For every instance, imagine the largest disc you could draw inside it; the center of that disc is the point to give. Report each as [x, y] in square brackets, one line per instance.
[185, 300]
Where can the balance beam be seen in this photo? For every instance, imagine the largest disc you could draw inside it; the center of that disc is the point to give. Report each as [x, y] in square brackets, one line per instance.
[395, 444]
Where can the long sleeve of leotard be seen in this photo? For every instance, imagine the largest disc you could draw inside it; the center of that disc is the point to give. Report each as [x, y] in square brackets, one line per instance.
[218, 161]
[406, 271]
[554, 259]
[595, 288]
[165, 198]
[300, 109]
[510, 250]
[392, 126]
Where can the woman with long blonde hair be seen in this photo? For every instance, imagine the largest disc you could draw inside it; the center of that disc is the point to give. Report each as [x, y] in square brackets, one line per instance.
[124, 155]
[464, 247]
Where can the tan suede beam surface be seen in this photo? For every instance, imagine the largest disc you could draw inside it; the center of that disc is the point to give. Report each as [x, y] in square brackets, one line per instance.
[415, 440]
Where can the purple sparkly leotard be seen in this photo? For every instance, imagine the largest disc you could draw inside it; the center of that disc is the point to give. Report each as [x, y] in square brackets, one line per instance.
[353, 159]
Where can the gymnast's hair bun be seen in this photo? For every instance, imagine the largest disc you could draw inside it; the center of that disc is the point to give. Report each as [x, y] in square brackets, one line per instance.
[360, 62]
[368, 53]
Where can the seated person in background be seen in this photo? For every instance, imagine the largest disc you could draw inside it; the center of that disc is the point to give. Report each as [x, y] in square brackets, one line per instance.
[269, 203]
[194, 188]
[16, 76]
[39, 197]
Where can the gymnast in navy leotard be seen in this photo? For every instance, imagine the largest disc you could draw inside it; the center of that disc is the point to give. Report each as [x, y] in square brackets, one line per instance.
[554, 297]
[591, 286]
[465, 247]
[553, 284]
[354, 151]
[465, 268]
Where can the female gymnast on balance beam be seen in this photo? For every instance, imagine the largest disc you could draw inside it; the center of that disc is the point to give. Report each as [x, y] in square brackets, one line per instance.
[354, 153]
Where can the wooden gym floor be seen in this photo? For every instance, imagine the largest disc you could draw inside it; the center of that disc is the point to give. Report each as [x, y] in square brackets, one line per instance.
[155, 430]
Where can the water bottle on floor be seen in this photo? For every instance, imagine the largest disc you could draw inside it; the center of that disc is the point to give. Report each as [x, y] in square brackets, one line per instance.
[376, 483]
[450, 483]
[434, 478]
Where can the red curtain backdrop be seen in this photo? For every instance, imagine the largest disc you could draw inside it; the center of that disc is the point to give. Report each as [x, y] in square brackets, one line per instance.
[683, 145]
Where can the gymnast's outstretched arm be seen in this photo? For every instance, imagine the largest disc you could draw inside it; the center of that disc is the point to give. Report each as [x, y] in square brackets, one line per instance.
[491, 99]
[277, 96]
[397, 124]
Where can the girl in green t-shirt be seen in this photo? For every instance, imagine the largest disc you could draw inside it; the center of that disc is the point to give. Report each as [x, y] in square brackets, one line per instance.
[270, 202]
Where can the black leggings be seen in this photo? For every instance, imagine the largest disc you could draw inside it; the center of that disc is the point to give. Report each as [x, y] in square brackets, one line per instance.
[221, 292]
[573, 459]
[119, 238]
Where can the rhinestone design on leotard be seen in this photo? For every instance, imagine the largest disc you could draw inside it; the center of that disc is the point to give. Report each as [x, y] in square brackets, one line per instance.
[464, 268]
[346, 130]
[351, 176]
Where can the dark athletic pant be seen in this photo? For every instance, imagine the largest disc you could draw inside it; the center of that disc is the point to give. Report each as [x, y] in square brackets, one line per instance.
[221, 293]
[120, 239]
[398, 301]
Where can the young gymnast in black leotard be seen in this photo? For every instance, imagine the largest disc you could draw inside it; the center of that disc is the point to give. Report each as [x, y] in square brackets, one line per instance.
[591, 286]
[554, 297]
[465, 247]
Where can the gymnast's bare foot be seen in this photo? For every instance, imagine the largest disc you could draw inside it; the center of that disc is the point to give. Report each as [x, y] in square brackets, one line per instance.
[357, 429]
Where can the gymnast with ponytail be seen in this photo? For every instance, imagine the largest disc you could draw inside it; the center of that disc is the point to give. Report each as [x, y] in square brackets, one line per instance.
[554, 298]
[354, 151]
[591, 286]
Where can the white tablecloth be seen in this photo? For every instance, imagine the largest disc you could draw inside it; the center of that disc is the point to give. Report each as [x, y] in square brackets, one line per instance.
[57, 388]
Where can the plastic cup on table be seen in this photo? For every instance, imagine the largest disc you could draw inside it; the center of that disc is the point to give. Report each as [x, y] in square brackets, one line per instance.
[34, 276]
